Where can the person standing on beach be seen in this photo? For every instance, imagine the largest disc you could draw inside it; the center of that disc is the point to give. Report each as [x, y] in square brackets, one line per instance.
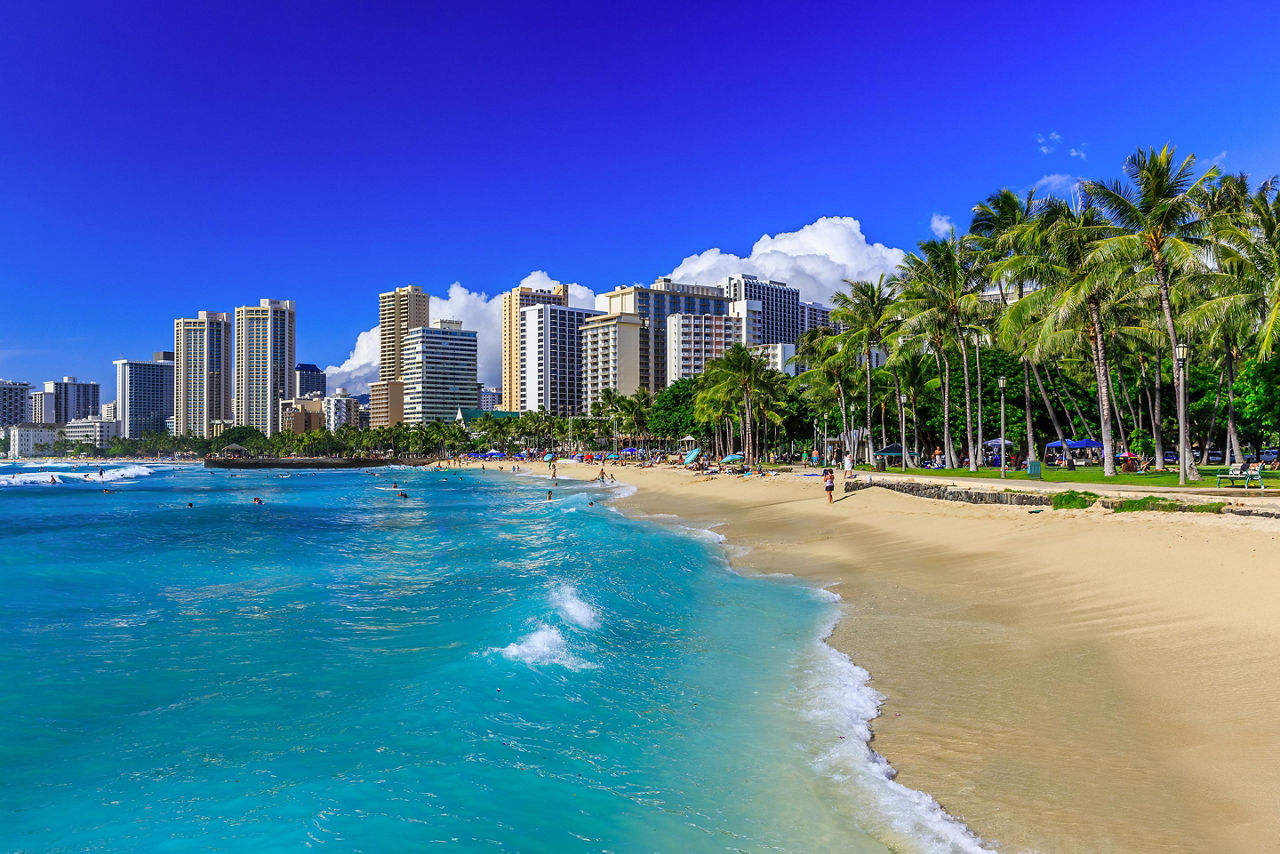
[848, 465]
[829, 482]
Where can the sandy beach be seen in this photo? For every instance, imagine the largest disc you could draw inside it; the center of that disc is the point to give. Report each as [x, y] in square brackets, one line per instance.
[1060, 680]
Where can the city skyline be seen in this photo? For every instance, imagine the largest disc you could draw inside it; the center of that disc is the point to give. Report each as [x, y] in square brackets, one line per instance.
[194, 158]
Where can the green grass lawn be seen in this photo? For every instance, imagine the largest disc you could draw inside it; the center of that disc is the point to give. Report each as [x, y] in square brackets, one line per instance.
[1093, 474]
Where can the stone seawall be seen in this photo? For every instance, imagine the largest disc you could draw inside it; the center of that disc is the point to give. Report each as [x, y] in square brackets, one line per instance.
[946, 492]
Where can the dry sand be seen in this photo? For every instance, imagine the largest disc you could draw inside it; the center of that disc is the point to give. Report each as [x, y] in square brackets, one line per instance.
[1060, 681]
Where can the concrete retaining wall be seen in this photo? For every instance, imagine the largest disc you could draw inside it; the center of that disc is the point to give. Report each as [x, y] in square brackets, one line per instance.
[944, 492]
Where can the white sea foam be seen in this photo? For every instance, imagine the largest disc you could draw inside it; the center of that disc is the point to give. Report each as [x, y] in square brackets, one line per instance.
[544, 645]
[839, 701]
[79, 476]
[565, 599]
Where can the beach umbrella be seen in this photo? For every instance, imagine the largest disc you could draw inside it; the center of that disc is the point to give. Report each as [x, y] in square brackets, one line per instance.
[732, 458]
[628, 450]
[546, 458]
[692, 455]
[1127, 455]
[995, 443]
[611, 457]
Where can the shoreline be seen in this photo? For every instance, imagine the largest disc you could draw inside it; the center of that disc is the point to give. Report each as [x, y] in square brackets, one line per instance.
[1059, 681]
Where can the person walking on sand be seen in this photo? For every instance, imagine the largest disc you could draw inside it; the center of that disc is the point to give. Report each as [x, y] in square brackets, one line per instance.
[829, 482]
[848, 465]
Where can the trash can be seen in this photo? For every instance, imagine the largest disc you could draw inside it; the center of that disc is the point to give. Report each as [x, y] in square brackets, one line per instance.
[1033, 469]
[879, 463]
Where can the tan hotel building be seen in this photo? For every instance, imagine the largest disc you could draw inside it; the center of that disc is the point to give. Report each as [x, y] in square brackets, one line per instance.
[512, 302]
[398, 311]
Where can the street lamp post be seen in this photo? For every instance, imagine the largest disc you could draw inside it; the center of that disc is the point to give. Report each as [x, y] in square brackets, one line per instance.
[1181, 351]
[1004, 461]
[902, 418]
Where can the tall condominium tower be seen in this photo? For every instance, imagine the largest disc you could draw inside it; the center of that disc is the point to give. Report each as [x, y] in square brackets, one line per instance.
[439, 372]
[693, 340]
[309, 379]
[611, 346]
[512, 303]
[265, 356]
[551, 358]
[144, 394]
[202, 352]
[65, 400]
[398, 311]
[13, 402]
[653, 304]
[779, 303]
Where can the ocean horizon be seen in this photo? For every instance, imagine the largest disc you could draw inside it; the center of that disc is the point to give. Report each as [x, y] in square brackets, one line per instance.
[383, 660]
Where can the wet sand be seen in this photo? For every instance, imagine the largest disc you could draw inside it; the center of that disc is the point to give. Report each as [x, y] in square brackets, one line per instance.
[1060, 681]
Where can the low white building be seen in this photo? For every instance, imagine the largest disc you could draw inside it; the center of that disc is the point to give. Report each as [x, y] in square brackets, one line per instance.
[95, 430]
[24, 439]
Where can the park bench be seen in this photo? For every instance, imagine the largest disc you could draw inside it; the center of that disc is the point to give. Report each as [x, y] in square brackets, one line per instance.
[1236, 472]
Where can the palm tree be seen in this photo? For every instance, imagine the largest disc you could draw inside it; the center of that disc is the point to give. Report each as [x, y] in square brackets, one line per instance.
[940, 295]
[742, 373]
[869, 309]
[1164, 233]
[828, 367]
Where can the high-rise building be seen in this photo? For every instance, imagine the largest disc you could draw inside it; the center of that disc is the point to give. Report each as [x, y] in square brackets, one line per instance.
[653, 304]
[68, 399]
[40, 407]
[144, 394]
[13, 402]
[399, 311]
[265, 356]
[340, 408]
[109, 411]
[551, 358]
[490, 398]
[693, 340]
[779, 304]
[815, 315]
[611, 356]
[512, 304]
[439, 371]
[202, 369]
[308, 380]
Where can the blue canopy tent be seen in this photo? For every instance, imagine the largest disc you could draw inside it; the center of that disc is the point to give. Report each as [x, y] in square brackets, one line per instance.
[1076, 444]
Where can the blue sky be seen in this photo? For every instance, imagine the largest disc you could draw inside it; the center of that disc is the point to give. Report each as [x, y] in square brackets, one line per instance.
[160, 158]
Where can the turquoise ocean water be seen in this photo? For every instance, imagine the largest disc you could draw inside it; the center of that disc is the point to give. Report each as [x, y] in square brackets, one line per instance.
[472, 665]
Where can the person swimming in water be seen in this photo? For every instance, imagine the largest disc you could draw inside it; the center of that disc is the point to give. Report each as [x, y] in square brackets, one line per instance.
[548, 495]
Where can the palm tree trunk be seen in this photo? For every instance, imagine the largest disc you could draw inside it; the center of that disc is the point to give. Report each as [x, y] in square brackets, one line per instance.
[968, 401]
[1026, 406]
[1115, 408]
[1233, 433]
[845, 435]
[867, 357]
[1157, 417]
[1104, 389]
[1179, 375]
[1053, 413]
[977, 360]
[1084, 422]
[944, 370]
[1134, 413]
[1208, 431]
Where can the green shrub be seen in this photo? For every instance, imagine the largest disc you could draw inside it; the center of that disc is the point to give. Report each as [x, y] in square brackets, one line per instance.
[1150, 502]
[1073, 500]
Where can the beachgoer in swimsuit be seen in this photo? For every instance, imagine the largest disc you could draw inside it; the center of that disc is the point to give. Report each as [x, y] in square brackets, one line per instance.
[829, 480]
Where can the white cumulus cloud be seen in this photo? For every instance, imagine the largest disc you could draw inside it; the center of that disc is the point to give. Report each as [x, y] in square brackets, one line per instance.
[940, 226]
[360, 368]
[476, 309]
[816, 259]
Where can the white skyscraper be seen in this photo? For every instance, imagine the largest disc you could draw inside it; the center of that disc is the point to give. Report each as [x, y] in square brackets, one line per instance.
[779, 304]
[202, 351]
[439, 371]
[551, 357]
[265, 356]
